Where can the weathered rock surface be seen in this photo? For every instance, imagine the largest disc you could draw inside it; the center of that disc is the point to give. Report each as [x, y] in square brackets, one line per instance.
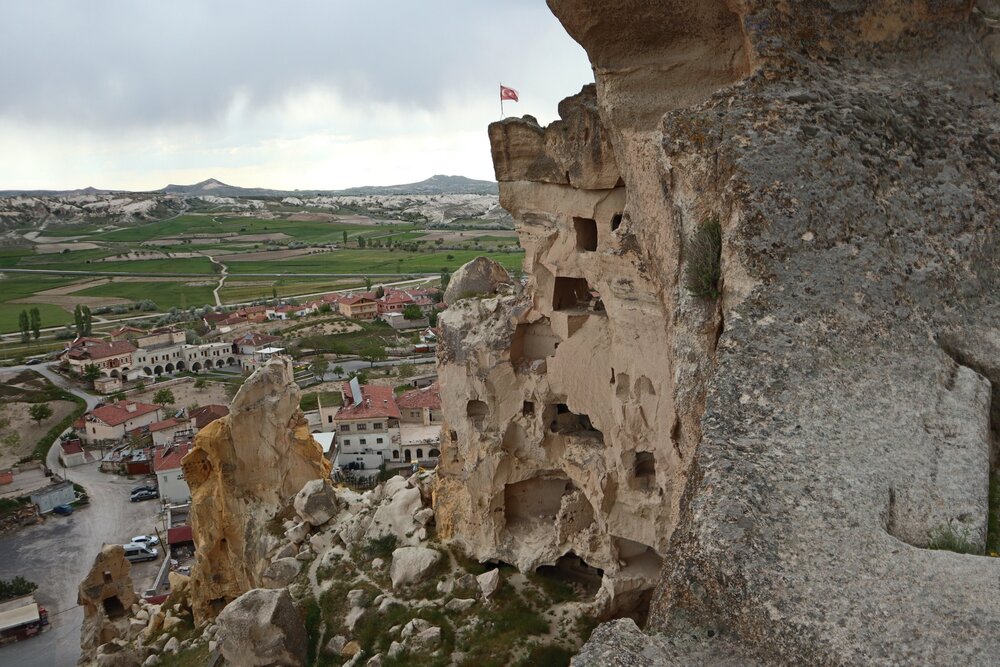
[481, 276]
[786, 451]
[241, 469]
[412, 564]
[106, 595]
[316, 503]
[262, 628]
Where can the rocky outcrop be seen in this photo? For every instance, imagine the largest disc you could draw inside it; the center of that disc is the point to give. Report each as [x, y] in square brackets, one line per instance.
[776, 460]
[107, 597]
[242, 468]
[480, 277]
[262, 628]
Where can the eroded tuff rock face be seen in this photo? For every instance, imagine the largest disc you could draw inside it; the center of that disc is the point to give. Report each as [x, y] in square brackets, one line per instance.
[788, 450]
[107, 596]
[242, 468]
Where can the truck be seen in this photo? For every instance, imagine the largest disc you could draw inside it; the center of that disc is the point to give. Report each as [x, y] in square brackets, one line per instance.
[21, 618]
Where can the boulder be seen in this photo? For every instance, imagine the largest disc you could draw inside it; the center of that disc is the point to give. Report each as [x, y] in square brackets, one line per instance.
[459, 605]
[336, 645]
[395, 649]
[396, 517]
[351, 649]
[413, 627]
[412, 564]
[426, 640]
[281, 572]
[316, 503]
[488, 583]
[172, 646]
[297, 533]
[262, 627]
[480, 277]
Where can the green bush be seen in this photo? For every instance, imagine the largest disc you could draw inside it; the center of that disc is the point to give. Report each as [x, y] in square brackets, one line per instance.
[16, 587]
[704, 260]
[947, 538]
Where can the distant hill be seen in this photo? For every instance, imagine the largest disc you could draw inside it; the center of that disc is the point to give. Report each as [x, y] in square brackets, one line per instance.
[435, 185]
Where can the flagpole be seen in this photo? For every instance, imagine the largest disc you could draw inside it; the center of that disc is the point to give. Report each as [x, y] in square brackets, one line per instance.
[501, 101]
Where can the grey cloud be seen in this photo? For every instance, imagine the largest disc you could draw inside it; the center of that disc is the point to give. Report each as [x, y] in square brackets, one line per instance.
[122, 63]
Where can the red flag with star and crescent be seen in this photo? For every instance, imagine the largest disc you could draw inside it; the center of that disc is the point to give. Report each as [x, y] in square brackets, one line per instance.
[507, 93]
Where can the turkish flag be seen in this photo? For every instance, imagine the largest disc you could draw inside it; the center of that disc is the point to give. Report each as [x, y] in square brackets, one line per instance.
[507, 93]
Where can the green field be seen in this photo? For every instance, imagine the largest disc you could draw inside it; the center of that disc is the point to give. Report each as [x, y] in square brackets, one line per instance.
[140, 266]
[51, 315]
[372, 261]
[308, 231]
[166, 295]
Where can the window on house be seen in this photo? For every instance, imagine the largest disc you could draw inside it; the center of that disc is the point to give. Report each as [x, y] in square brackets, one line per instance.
[362, 427]
[364, 441]
[377, 426]
[378, 441]
[345, 427]
[347, 443]
[329, 419]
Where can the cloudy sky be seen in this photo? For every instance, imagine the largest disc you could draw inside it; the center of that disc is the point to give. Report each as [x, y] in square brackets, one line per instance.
[301, 94]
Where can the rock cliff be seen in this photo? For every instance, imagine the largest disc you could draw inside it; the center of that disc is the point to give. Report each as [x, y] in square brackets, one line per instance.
[241, 470]
[776, 454]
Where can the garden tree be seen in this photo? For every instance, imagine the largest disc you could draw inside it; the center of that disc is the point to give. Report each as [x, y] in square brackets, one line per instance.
[345, 236]
[200, 383]
[406, 370]
[163, 397]
[368, 283]
[191, 337]
[36, 322]
[25, 325]
[320, 366]
[40, 412]
[140, 387]
[338, 371]
[374, 353]
[16, 587]
[361, 241]
[12, 440]
[412, 312]
[379, 292]
[83, 320]
[432, 319]
[325, 308]
[274, 292]
[117, 396]
[445, 278]
[91, 372]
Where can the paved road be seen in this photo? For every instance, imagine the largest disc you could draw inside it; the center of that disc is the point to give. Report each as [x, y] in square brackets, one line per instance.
[58, 554]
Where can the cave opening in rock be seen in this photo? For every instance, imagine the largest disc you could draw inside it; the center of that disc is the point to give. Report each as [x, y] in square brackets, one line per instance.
[616, 221]
[528, 408]
[533, 342]
[586, 234]
[570, 293]
[113, 607]
[217, 605]
[572, 570]
[644, 470]
[564, 421]
[477, 412]
[534, 501]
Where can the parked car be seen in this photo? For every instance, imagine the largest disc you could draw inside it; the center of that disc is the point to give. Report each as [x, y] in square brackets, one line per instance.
[143, 487]
[33, 362]
[144, 495]
[63, 510]
[135, 553]
[148, 540]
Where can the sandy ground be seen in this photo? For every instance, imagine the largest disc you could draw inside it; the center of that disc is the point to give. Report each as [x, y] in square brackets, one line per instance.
[185, 394]
[326, 328]
[70, 302]
[20, 423]
[269, 254]
[312, 217]
[52, 247]
[75, 287]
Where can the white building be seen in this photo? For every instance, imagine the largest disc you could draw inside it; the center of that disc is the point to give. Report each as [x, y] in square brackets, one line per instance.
[169, 474]
[367, 427]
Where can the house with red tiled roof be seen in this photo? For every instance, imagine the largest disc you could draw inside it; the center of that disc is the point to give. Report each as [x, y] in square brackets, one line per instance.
[167, 431]
[113, 358]
[111, 422]
[207, 414]
[394, 301]
[421, 406]
[366, 424]
[169, 474]
[127, 332]
[359, 307]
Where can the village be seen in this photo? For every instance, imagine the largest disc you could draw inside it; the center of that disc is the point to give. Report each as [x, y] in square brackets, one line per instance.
[148, 393]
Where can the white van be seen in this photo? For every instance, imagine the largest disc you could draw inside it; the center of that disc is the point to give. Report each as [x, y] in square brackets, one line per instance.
[135, 553]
